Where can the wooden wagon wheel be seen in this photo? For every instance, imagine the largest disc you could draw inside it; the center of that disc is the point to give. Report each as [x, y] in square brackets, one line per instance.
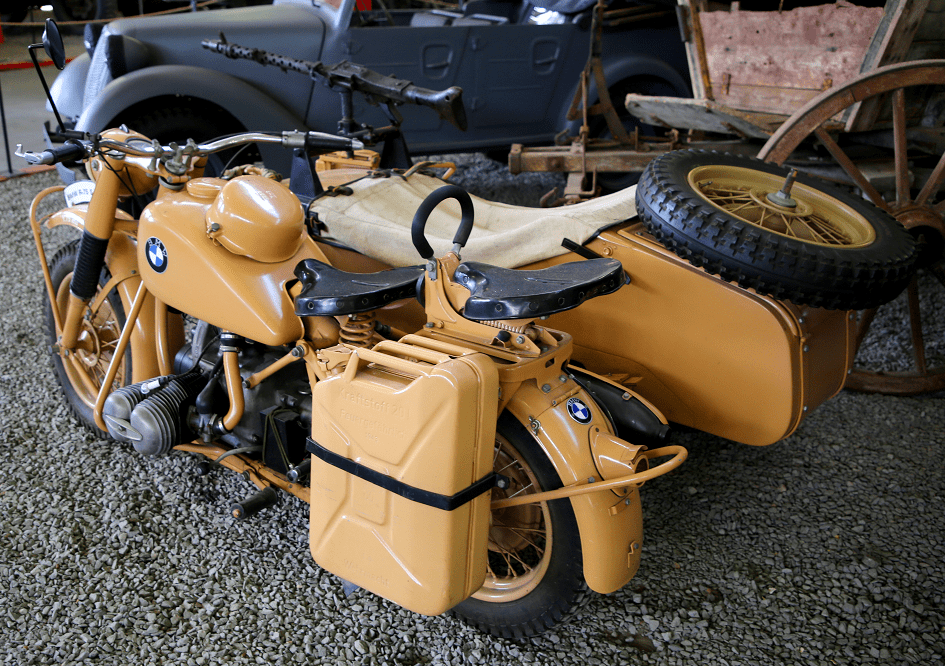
[916, 204]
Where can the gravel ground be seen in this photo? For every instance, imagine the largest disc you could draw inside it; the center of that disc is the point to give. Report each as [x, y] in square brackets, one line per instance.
[826, 548]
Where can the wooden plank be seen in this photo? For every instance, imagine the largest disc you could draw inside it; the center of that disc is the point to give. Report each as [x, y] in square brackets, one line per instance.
[774, 61]
[702, 114]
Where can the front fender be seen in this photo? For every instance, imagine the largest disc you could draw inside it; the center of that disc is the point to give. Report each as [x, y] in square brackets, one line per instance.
[611, 527]
[121, 260]
[253, 109]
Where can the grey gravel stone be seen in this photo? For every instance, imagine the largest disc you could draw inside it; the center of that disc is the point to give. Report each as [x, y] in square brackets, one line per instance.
[822, 549]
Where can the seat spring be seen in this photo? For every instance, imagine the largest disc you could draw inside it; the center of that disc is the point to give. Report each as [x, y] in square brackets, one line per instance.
[358, 329]
[505, 326]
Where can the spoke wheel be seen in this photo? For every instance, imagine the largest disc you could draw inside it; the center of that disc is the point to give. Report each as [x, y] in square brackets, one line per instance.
[535, 574]
[781, 233]
[520, 539]
[81, 373]
[811, 215]
[912, 196]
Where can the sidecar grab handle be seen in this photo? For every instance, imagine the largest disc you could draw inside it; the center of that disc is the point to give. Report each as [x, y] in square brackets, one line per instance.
[433, 200]
[679, 454]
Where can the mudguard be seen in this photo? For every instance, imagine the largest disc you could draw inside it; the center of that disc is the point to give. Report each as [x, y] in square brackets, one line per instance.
[611, 526]
[121, 261]
[251, 107]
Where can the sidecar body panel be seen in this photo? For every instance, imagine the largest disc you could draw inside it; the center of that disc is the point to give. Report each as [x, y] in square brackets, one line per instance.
[385, 437]
[712, 355]
[185, 267]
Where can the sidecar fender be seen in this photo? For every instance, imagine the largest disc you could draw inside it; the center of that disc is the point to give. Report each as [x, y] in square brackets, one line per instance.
[611, 527]
[246, 103]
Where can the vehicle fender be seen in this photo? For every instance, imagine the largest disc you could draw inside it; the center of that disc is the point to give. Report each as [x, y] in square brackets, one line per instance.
[611, 527]
[628, 67]
[253, 109]
[121, 259]
[68, 89]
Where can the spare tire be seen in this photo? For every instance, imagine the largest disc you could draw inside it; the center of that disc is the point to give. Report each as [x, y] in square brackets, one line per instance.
[816, 245]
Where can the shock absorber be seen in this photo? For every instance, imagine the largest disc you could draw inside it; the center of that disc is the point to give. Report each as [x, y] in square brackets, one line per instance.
[358, 329]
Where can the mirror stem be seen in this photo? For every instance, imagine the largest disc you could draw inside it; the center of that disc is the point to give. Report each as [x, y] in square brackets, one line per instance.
[32, 49]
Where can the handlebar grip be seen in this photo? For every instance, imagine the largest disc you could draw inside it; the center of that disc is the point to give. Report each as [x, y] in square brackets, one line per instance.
[69, 151]
[320, 141]
[433, 200]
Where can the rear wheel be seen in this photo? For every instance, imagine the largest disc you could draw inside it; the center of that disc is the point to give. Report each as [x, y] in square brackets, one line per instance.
[535, 572]
[81, 373]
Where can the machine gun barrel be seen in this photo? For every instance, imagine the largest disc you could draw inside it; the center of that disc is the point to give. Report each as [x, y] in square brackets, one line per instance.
[347, 75]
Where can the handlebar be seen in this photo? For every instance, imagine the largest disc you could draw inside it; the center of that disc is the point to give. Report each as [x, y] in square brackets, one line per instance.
[347, 75]
[174, 154]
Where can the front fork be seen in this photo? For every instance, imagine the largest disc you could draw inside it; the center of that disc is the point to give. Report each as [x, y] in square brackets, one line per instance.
[149, 328]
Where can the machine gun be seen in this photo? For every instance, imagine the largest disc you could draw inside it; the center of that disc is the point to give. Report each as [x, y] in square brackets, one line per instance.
[348, 77]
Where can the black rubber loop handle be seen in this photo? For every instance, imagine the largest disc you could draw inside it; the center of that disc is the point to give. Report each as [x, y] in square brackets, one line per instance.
[434, 199]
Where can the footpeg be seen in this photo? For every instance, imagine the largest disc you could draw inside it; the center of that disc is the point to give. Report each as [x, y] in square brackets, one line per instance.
[254, 503]
[300, 473]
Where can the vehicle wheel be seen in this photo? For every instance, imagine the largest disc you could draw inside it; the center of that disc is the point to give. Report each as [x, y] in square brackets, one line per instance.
[614, 181]
[823, 247]
[887, 98]
[535, 571]
[81, 374]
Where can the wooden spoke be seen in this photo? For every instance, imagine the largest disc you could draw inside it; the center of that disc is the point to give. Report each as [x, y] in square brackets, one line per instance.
[915, 321]
[847, 164]
[901, 150]
[932, 185]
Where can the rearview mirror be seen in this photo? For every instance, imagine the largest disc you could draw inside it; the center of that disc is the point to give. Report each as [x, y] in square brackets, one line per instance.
[52, 43]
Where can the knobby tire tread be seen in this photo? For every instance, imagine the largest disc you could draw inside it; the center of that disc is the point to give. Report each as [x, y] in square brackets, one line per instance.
[768, 262]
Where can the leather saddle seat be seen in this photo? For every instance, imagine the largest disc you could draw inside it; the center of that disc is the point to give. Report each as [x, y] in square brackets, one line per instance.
[495, 293]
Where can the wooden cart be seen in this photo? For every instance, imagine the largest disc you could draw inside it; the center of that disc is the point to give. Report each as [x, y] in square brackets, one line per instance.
[853, 94]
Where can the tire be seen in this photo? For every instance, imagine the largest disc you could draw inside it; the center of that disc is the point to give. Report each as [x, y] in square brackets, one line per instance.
[537, 584]
[80, 375]
[842, 252]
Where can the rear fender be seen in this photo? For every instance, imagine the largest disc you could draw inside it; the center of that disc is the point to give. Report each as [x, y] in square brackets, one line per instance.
[253, 109]
[611, 526]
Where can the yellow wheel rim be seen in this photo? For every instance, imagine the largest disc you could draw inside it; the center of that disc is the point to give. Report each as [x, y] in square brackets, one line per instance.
[519, 537]
[98, 337]
[815, 217]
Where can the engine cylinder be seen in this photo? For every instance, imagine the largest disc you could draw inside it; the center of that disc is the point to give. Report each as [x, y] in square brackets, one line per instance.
[152, 415]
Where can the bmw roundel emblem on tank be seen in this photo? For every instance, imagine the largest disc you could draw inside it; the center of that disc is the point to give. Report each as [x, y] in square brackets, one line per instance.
[579, 411]
[157, 254]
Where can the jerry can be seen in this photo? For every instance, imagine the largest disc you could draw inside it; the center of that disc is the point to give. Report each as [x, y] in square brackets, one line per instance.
[402, 449]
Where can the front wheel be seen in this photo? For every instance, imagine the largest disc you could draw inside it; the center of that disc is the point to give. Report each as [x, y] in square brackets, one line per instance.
[81, 373]
[806, 241]
[535, 574]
